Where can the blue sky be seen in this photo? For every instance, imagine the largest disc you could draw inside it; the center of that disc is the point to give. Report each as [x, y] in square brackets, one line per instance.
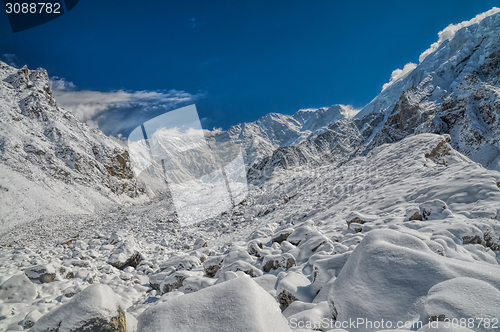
[237, 60]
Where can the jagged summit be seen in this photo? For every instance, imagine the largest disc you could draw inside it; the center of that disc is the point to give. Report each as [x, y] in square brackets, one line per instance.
[274, 130]
[51, 163]
[455, 90]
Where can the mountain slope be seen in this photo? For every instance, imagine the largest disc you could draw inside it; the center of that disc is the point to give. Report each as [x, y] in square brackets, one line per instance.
[260, 138]
[51, 163]
[455, 90]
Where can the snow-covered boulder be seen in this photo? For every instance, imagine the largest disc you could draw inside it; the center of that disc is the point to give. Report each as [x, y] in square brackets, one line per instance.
[17, 289]
[212, 265]
[241, 266]
[294, 286]
[389, 275]
[41, 273]
[31, 318]
[317, 318]
[181, 263]
[125, 254]
[96, 308]
[235, 305]
[464, 298]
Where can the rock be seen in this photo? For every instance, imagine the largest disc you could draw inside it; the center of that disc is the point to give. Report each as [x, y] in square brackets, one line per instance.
[317, 317]
[359, 218]
[294, 286]
[223, 307]
[389, 274]
[241, 266]
[31, 318]
[270, 262]
[282, 235]
[156, 279]
[463, 298]
[181, 263]
[95, 309]
[17, 289]
[173, 281]
[125, 254]
[413, 214]
[71, 291]
[285, 261]
[41, 273]
[200, 243]
[433, 209]
[212, 265]
[254, 248]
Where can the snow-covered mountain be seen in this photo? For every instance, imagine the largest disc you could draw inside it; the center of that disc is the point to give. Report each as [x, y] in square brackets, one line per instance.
[51, 163]
[261, 138]
[454, 90]
[386, 219]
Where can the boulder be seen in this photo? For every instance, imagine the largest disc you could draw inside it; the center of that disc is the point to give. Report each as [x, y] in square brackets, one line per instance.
[31, 318]
[463, 298]
[95, 309]
[294, 286]
[41, 273]
[389, 275]
[235, 305]
[17, 289]
[125, 254]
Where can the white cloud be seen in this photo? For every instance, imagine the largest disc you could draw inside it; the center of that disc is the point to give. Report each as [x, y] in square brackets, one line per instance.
[400, 74]
[449, 32]
[86, 104]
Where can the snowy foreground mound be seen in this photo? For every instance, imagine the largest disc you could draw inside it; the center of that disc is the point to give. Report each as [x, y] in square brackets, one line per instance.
[407, 237]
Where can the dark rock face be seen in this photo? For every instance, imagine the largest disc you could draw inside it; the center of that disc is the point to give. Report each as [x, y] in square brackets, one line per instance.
[115, 324]
[285, 298]
[62, 147]
[125, 254]
[41, 273]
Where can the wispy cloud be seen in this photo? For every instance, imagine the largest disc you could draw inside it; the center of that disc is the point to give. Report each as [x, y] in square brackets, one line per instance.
[89, 106]
[10, 59]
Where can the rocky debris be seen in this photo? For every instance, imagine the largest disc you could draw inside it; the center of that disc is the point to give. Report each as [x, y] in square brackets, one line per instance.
[125, 254]
[393, 271]
[17, 289]
[228, 302]
[41, 273]
[96, 308]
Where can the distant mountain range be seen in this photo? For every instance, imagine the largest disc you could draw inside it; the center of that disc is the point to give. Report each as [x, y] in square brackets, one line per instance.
[51, 163]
